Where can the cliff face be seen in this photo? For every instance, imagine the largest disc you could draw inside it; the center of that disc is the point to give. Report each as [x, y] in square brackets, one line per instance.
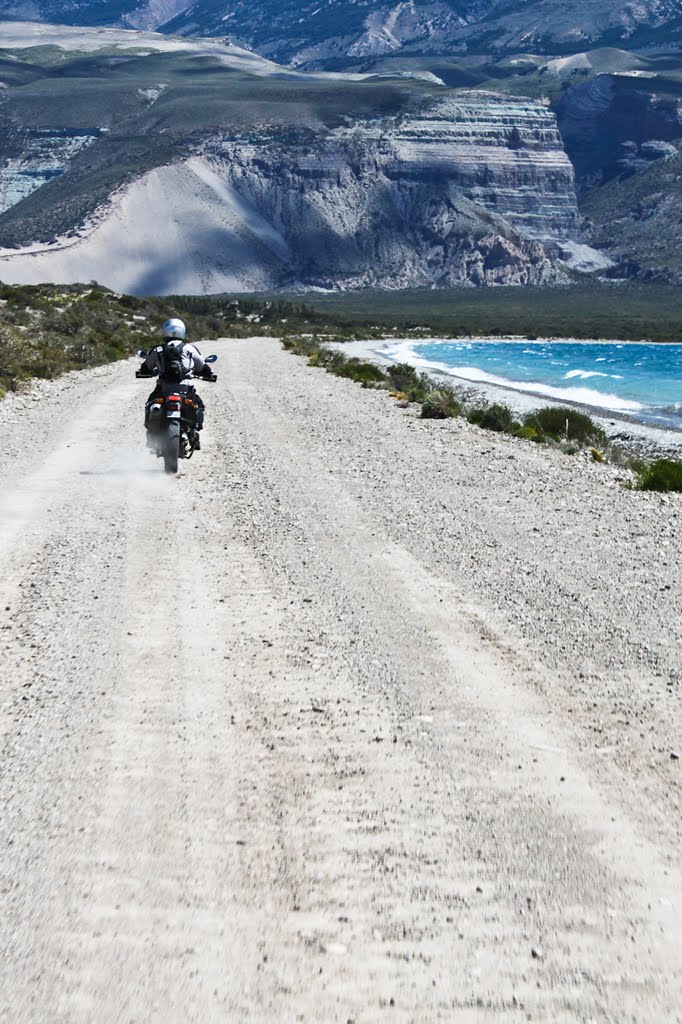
[471, 189]
[624, 134]
[466, 192]
[637, 221]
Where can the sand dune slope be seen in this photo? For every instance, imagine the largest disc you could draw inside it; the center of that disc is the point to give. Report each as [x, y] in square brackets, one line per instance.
[178, 229]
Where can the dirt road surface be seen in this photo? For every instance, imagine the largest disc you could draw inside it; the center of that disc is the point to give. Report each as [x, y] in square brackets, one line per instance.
[360, 718]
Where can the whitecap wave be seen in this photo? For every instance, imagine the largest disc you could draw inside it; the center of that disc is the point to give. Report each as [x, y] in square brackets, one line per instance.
[586, 374]
[583, 374]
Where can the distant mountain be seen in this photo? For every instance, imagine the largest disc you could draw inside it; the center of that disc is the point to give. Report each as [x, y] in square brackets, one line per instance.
[130, 13]
[74, 12]
[452, 164]
[325, 29]
[318, 31]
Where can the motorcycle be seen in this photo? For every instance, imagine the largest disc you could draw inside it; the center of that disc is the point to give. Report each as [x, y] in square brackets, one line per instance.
[171, 430]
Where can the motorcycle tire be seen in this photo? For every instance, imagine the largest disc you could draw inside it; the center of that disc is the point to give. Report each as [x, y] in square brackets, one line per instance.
[171, 448]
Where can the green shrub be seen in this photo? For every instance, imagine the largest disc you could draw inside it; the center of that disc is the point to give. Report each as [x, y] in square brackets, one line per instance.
[497, 417]
[440, 404]
[367, 374]
[402, 376]
[661, 475]
[527, 433]
[303, 346]
[331, 358]
[565, 424]
[404, 379]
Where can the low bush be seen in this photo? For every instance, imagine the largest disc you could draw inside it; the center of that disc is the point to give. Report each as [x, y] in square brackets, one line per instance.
[302, 346]
[661, 475]
[329, 358]
[405, 379]
[497, 417]
[440, 404]
[367, 374]
[565, 424]
[527, 433]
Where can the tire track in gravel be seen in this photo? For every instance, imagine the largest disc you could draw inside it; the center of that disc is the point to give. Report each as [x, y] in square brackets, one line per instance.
[261, 761]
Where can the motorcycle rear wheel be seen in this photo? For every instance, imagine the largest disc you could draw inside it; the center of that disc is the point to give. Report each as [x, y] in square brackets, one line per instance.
[171, 448]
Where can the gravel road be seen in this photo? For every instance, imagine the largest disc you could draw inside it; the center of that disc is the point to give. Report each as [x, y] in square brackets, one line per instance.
[361, 718]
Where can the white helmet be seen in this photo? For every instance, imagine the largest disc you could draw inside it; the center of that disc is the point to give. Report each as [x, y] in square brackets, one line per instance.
[174, 328]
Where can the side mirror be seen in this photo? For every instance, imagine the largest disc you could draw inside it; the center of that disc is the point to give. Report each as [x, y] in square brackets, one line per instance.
[210, 359]
[142, 354]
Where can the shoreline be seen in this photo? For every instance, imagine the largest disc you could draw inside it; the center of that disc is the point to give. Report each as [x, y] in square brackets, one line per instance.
[643, 439]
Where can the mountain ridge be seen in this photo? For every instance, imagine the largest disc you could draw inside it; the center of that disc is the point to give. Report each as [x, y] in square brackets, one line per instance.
[320, 30]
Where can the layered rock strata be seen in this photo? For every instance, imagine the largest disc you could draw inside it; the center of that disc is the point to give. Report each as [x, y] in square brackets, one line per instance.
[470, 190]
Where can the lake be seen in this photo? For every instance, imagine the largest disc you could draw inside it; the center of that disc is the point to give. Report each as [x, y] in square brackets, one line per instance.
[637, 379]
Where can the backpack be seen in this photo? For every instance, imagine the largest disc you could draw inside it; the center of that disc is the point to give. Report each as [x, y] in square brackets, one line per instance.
[173, 370]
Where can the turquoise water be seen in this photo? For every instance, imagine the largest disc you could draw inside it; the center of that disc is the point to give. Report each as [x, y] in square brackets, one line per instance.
[641, 380]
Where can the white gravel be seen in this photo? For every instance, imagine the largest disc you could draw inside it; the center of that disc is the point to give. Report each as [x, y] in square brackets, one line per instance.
[360, 718]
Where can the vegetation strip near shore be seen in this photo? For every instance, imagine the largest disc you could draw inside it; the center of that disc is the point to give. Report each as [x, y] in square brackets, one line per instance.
[562, 427]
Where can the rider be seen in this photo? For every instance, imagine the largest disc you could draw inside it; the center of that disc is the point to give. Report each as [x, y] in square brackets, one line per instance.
[174, 361]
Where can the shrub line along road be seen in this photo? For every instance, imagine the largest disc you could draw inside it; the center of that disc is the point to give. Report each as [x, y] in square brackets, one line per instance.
[347, 722]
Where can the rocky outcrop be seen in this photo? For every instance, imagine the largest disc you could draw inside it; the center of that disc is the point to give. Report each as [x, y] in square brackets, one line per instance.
[37, 157]
[152, 13]
[617, 124]
[471, 189]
